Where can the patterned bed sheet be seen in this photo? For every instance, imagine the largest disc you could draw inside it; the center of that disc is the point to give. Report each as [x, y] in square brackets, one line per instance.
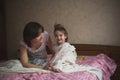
[101, 61]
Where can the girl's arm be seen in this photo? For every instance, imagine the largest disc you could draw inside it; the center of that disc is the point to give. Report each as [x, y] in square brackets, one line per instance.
[24, 58]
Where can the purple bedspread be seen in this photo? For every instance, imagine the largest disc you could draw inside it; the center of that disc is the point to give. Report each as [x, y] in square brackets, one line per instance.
[100, 61]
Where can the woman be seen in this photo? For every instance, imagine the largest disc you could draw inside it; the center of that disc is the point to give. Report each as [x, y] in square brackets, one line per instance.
[33, 52]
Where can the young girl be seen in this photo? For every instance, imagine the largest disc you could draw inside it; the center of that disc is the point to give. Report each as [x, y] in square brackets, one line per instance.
[33, 52]
[65, 55]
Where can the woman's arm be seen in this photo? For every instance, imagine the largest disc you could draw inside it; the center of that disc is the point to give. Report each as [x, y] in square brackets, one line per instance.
[24, 58]
[50, 46]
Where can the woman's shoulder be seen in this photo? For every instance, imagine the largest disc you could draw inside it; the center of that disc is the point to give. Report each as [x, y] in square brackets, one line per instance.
[46, 36]
[22, 43]
[46, 33]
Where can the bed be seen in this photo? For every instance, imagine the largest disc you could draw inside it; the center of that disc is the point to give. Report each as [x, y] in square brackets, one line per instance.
[103, 57]
[94, 49]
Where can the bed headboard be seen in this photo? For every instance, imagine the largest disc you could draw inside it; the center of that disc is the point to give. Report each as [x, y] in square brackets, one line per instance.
[93, 49]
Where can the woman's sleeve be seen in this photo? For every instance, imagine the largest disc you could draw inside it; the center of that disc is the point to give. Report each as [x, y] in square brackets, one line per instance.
[46, 36]
[23, 43]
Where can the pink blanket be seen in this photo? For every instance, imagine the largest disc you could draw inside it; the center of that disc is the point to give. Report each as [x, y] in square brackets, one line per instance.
[100, 61]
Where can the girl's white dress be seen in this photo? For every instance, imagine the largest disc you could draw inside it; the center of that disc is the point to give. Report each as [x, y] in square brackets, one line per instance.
[65, 58]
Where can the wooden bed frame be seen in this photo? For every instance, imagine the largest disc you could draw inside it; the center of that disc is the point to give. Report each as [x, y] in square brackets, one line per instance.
[93, 49]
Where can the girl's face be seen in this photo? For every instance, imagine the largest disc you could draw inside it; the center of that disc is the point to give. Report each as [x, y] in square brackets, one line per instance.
[60, 37]
[38, 40]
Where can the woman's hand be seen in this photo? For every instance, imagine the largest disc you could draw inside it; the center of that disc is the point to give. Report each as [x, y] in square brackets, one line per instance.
[49, 67]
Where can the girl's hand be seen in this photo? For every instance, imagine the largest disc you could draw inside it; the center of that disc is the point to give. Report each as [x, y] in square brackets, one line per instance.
[56, 70]
[50, 67]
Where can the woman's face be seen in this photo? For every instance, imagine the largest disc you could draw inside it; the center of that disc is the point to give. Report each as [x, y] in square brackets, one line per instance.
[39, 39]
[60, 37]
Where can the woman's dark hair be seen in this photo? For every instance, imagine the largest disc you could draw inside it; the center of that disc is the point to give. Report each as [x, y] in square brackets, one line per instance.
[31, 31]
[59, 27]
